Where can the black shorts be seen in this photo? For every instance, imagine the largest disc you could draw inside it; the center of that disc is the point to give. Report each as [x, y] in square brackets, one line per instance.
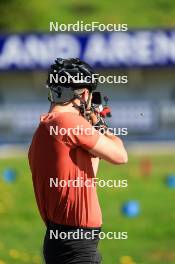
[68, 245]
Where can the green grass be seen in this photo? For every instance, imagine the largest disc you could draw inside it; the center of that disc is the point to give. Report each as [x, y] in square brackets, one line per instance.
[151, 235]
[35, 15]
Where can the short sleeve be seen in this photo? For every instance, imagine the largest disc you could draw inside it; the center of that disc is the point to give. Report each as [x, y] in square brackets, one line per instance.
[82, 133]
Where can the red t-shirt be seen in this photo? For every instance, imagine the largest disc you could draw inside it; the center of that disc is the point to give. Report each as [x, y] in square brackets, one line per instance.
[60, 153]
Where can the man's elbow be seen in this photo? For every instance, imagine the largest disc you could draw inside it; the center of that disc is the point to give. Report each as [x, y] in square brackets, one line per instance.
[121, 159]
[125, 159]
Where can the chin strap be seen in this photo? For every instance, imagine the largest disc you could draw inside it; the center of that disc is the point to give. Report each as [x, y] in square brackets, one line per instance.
[83, 106]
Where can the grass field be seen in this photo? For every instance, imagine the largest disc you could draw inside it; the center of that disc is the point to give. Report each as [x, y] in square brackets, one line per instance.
[151, 235]
[38, 14]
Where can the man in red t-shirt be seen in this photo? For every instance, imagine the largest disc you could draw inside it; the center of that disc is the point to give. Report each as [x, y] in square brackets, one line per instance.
[63, 157]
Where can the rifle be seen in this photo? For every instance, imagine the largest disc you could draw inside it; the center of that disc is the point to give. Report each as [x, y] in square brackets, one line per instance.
[102, 111]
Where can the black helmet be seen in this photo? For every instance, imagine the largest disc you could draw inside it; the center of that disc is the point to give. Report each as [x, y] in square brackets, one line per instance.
[63, 73]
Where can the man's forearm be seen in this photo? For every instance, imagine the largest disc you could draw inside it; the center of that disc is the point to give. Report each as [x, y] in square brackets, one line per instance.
[118, 142]
[114, 138]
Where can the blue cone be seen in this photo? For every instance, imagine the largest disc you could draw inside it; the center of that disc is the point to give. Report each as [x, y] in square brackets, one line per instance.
[131, 208]
[170, 181]
[9, 175]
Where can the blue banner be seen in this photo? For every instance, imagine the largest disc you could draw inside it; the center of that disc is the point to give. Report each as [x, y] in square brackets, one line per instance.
[138, 48]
